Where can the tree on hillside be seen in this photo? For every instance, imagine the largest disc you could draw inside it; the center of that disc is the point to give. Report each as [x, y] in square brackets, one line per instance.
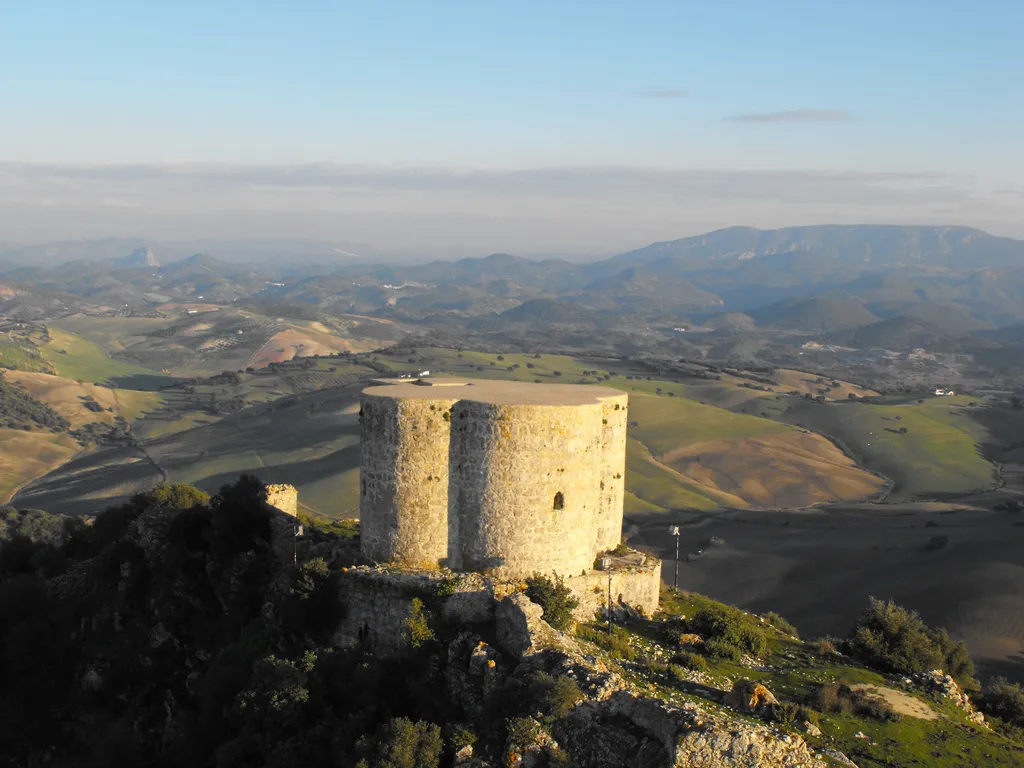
[894, 638]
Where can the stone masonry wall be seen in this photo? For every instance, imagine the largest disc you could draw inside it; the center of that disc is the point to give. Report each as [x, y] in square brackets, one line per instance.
[378, 601]
[524, 488]
[283, 497]
[634, 589]
[612, 481]
[403, 498]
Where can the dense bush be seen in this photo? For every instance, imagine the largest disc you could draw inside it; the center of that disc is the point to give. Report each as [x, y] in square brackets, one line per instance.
[225, 644]
[725, 628]
[691, 660]
[402, 743]
[1003, 699]
[720, 648]
[616, 644]
[896, 639]
[174, 496]
[555, 598]
[20, 410]
[789, 714]
[780, 623]
[824, 647]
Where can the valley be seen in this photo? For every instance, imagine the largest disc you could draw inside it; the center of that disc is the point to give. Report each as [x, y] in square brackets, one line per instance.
[782, 431]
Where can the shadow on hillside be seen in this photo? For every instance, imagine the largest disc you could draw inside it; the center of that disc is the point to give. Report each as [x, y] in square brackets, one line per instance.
[297, 473]
[145, 382]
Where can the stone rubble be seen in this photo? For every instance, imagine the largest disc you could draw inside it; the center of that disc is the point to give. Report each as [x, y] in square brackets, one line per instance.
[937, 681]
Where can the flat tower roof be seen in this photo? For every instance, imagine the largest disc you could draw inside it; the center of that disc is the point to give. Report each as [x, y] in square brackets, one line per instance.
[492, 391]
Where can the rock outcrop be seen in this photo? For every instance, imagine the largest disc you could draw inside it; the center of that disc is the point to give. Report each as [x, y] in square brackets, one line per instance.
[750, 697]
[631, 729]
[939, 682]
[522, 630]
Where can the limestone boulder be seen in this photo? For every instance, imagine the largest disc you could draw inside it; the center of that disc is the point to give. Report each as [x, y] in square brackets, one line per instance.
[521, 628]
[750, 697]
[635, 730]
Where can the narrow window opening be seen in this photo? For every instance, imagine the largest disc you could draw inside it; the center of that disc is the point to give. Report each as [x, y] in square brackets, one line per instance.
[559, 501]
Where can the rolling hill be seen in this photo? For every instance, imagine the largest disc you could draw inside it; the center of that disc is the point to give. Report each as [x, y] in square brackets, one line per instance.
[816, 315]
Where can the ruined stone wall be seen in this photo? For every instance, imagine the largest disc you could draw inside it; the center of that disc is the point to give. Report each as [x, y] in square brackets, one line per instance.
[284, 498]
[403, 500]
[612, 481]
[377, 603]
[524, 488]
[634, 589]
[283, 502]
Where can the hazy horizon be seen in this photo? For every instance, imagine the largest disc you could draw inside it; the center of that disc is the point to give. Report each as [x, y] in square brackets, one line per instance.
[462, 129]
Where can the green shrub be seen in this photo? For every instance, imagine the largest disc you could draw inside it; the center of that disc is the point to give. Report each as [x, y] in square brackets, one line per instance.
[447, 587]
[616, 644]
[553, 697]
[879, 709]
[834, 699]
[402, 743]
[729, 626]
[896, 639]
[780, 623]
[462, 736]
[720, 648]
[789, 713]
[173, 495]
[417, 628]
[656, 666]
[823, 647]
[691, 660]
[1004, 700]
[555, 598]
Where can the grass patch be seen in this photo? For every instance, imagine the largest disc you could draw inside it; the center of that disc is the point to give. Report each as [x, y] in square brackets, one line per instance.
[938, 453]
[74, 357]
[28, 455]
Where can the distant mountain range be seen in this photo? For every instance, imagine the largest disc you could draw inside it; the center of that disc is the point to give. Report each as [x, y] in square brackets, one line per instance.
[867, 285]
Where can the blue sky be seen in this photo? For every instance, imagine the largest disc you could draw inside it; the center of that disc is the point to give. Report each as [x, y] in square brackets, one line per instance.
[905, 88]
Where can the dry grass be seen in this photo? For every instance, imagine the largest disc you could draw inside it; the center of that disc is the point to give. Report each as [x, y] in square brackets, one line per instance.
[788, 469]
[28, 455]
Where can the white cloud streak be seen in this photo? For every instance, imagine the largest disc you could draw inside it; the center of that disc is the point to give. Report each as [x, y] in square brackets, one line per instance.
[449, 211]
[794, 116]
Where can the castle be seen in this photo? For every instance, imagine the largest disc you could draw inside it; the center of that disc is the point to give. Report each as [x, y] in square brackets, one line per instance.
[468, 487]
[497, 477]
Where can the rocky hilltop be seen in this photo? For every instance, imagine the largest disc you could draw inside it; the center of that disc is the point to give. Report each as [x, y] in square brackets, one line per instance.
[183, 629]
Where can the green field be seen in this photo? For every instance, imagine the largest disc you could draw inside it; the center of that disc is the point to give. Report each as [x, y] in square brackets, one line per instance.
[22, 356]
[682, 453]
[110, 332]
[667, 423]
[939, 454]
[74, 357]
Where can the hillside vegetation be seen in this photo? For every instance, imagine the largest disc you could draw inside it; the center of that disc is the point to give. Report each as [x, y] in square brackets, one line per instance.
[238, 642]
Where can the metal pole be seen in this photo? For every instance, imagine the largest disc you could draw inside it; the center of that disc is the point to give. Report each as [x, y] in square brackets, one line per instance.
[675, 577]
[609, 603]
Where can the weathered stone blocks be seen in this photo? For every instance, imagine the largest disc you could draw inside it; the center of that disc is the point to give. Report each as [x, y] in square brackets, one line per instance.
[503, 478]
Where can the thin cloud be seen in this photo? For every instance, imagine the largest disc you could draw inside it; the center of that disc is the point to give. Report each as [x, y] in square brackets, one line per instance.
[451, 211]
[795, 116]
[661, 93]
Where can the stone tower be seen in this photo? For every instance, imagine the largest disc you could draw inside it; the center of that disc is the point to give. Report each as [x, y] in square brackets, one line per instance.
[499, 477]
